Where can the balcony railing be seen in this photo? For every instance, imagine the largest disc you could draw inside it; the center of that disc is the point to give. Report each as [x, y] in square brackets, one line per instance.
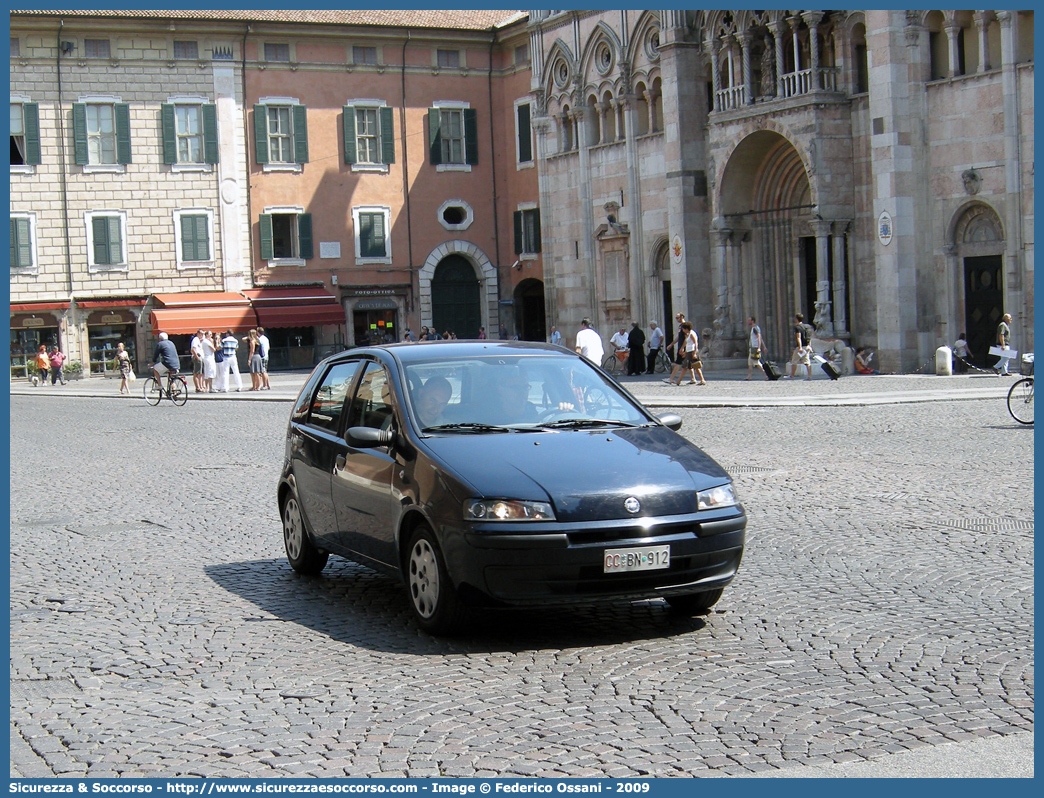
[794, 84]
[734, 97]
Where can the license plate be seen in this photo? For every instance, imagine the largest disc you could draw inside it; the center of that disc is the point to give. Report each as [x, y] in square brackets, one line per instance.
[644, 558]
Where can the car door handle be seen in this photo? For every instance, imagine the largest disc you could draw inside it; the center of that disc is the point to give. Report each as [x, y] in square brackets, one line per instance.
[339, 463]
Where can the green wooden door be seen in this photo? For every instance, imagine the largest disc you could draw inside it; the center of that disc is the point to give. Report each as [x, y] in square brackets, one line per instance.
[455, 298]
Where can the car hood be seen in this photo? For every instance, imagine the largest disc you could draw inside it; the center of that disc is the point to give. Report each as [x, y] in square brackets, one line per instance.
[585, 474]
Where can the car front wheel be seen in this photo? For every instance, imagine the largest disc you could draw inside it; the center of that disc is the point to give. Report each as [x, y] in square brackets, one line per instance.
[300, 553]
[694, 603]
[432, 597]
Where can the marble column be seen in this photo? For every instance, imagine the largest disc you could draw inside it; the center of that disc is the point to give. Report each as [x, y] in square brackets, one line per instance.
[777, 39]
[838, 282]
[812, 19]
[981, 27]
[951, 36]
[748, 89]
[821, 229]
[715, 73]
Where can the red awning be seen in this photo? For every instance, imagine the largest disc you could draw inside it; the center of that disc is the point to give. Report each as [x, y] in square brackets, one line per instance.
[197, 299]
[295, 306]
[32, 307]
[185, 321]
[110, 303]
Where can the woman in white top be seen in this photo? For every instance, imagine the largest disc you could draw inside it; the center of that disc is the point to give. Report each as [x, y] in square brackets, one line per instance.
[690, 351]
[209, 364]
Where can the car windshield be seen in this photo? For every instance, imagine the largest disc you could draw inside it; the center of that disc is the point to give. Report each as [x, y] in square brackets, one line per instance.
[515, 392]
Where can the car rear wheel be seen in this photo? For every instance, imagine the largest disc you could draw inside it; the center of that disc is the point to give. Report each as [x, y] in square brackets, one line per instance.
[300, 553]
[694, 603]
[432, 597]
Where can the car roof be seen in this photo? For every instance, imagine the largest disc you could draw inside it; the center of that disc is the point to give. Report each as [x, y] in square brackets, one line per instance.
[408, 352]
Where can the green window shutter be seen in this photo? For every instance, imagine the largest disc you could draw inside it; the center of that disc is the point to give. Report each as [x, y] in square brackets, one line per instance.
[21, 244]
[349, 134]
[31, 120]
[471, 135]
[387, 135]
[100, 228]
[79, 115]
[536, 230]
[168, 134]
[300, 134]
[210, 134]
[434, 136]
[115, 240]
[261, 137]
[379, 247]
[518, 232]
[123, 133]
[264, 225]
[194, 238]
[525, 137]
[304, 235]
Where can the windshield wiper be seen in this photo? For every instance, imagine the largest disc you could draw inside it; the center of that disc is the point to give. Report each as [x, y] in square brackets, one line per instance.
[577, 423]
[466, 426]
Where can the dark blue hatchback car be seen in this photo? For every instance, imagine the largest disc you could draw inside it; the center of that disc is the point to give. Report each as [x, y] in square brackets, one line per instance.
[496, 473]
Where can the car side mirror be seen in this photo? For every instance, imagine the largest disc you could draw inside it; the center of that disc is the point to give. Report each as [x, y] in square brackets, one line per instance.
[368, 437]
[671, 421]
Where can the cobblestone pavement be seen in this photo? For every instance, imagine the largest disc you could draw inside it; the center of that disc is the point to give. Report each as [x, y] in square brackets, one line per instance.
[885, 604]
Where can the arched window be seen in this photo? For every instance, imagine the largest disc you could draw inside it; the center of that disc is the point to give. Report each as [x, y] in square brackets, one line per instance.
[938, 45]
[609, 117]
[860, 78]
[594, 122]
[566, 139]
[641, 110]
[656, 116]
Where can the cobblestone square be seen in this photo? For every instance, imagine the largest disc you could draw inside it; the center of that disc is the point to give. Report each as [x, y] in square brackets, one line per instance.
[885, 603]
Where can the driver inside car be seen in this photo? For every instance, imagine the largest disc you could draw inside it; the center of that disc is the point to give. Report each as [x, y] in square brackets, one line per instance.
[432, 399]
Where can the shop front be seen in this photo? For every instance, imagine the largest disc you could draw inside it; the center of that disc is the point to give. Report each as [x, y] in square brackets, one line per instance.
[105, 329]
[181, 315]
[376, 316]
[304, 324]
[33, 324]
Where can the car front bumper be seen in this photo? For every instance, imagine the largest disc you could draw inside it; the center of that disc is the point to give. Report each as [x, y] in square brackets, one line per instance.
[565, 565]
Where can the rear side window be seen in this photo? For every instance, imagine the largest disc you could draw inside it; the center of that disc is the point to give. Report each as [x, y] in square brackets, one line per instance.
[327, 404]
[372, 405]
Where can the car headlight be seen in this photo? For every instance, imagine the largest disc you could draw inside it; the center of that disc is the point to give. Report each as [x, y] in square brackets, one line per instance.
[721, 496]
[507, 510]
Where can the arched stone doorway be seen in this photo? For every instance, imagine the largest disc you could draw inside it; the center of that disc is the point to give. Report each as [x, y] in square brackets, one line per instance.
[455, 295]
[530, 322]
[978, 246]
[772, 256]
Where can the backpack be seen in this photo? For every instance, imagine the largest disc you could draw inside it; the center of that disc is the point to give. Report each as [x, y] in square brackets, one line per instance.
[806, 333]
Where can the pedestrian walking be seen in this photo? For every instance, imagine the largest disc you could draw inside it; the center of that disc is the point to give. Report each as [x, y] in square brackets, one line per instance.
[556, 336]
[802, 354]
[589, 343]
[655, 345]
[1004, 342]
[675, 345]
[196, 352]
[123, 365]
[229, 365]
[254, 360]
[57, 359]
[961, 354]
[756, 345]
[690, 348]
[210, 345]
[265, 347]
[42, 362]
[636, 347]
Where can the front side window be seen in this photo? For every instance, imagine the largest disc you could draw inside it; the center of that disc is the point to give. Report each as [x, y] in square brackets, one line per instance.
[524, 133]
[22, 245]
[187, 50]
[368, 135]
[286, 236]
[25, 134]
[101, 133]
[105, 234]
[453, 136]
[189, 133]
[328, 403]
[448, 59]
[281, 133]
[364, 55]
[372, 403]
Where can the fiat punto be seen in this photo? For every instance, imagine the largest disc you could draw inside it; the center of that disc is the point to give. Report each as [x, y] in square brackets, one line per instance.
[498, 474]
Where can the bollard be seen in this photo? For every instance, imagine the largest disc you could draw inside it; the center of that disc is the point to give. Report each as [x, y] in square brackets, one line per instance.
[944, 361]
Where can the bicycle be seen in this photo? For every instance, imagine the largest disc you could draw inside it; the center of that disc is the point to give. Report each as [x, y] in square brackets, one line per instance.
[176, 390]
[1020, 395]
[662, 363]
[614, 361]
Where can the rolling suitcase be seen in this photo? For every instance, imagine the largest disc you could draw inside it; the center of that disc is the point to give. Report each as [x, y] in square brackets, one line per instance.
[771, 370]
[832, 371]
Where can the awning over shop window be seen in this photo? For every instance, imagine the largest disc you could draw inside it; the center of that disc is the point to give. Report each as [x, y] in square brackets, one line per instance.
[295, 306]
[183, 314]
[110, 303]
[32, 307]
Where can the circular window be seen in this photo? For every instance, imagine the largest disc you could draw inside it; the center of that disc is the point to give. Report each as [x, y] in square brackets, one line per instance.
[561, 73]
[604, 58]
[652, 45]
[455, 214]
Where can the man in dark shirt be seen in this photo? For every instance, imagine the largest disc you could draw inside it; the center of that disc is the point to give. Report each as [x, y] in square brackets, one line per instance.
[635, 343]
[165, 360]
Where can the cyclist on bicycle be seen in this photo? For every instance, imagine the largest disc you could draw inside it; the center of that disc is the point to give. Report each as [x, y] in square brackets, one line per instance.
[165, 360]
